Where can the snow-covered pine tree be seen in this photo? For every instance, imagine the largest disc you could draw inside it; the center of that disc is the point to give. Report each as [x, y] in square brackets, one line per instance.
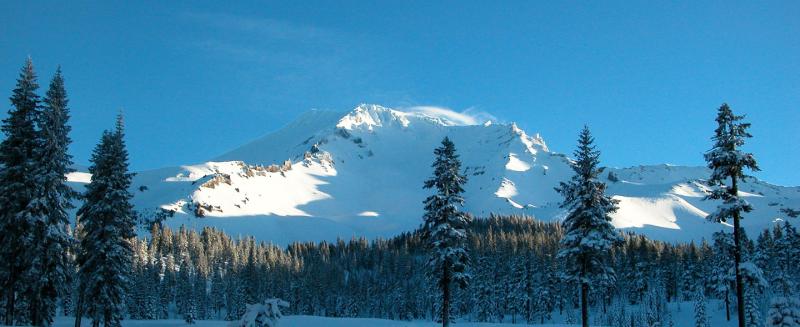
[690, 274]
[18, 188]
[445, 226]
[588, 233]
[190, 310]
[720, 279]
[483, 292]
[516, 297]
[755, 284]
[728, 162]
[108, 223]
[184, 292]
[784, 312]
[546, 293]
[217, 293]
[700, 315]
[787, 253]
[52, 240]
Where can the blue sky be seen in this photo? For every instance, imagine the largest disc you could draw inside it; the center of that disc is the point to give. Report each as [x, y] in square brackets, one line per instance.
[196, 79]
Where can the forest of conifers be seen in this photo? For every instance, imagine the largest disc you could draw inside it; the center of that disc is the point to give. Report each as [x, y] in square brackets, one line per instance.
[515, 275]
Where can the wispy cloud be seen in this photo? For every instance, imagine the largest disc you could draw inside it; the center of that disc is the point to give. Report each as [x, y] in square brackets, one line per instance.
[470, 116]
[265, 27]
[302, 64]
[265, 40]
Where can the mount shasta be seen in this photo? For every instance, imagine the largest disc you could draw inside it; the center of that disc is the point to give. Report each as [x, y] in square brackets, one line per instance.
[331, 174]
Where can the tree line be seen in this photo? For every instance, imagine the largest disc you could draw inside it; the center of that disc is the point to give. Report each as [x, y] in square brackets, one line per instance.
[516, 275]
[503, 267]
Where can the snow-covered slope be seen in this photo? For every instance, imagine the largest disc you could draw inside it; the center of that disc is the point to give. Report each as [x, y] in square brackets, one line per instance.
[360, 173]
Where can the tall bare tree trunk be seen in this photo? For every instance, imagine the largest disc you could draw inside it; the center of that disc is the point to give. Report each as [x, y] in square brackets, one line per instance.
[727, 305]
[445, 284]
[737, 258]
[79, 310]
[584, 304]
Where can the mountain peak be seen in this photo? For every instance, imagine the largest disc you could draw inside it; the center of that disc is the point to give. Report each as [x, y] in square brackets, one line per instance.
[368, 116]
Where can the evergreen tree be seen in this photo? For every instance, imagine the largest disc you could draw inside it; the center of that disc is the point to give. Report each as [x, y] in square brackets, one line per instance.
[190, 313]
[700, 315]
[108, 223]
[589, 234]
[445, 226]
[755, 284]
[787, 253]
[721, 277]
[18, 190]
[51, 236]
[483, 291]
[728, 162]
[516, 295]
[784, 312]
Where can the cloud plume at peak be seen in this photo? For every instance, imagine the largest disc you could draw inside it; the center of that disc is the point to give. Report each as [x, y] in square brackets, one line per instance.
[466, 117]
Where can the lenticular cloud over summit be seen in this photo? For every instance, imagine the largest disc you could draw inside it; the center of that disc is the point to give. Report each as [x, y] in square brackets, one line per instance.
[465, 118]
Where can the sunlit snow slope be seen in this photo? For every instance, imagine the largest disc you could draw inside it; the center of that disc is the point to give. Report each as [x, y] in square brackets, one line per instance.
[360, 173]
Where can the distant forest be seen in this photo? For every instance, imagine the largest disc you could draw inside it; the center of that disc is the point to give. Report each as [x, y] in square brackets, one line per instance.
[515, 275]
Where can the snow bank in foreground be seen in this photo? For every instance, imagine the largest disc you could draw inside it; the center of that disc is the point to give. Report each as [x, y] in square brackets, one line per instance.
[682, 314]
[296, 321]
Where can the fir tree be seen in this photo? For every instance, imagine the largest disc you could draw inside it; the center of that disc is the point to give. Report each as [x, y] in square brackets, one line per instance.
[786, 256]
[18, 189]
[700, 315]
[720, 279]
[784, 312]
[190, 313]
[51, 236]
[445, 226]
[483, 291]
[108, 223]
[755, 284]
[589, 234]
[727, 162]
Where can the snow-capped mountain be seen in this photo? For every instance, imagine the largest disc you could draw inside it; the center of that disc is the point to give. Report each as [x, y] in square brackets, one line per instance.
[331, 174]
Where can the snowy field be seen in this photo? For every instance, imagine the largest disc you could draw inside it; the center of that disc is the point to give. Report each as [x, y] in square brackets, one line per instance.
[682, 315]
[298, 321]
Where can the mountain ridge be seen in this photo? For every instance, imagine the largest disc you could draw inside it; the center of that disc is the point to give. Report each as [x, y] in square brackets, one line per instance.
[335, 174]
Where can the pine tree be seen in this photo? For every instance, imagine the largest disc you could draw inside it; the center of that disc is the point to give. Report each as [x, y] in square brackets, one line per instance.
[445, 226]
[786, 256]
[720, 279]
[516, 296]
[589, 235]
[784, 312]
[108, 223]
[755, 284]
[190, 313]
[728, 162]
[483, 292]
[18, 189]
[51, 236]
[700, 315]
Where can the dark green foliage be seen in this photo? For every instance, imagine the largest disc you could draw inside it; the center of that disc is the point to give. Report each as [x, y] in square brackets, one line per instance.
[53, 241]
[35, 241]
[589, 235]
[107, 221]
[728, 163]
[18, 189]
[445, 226]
